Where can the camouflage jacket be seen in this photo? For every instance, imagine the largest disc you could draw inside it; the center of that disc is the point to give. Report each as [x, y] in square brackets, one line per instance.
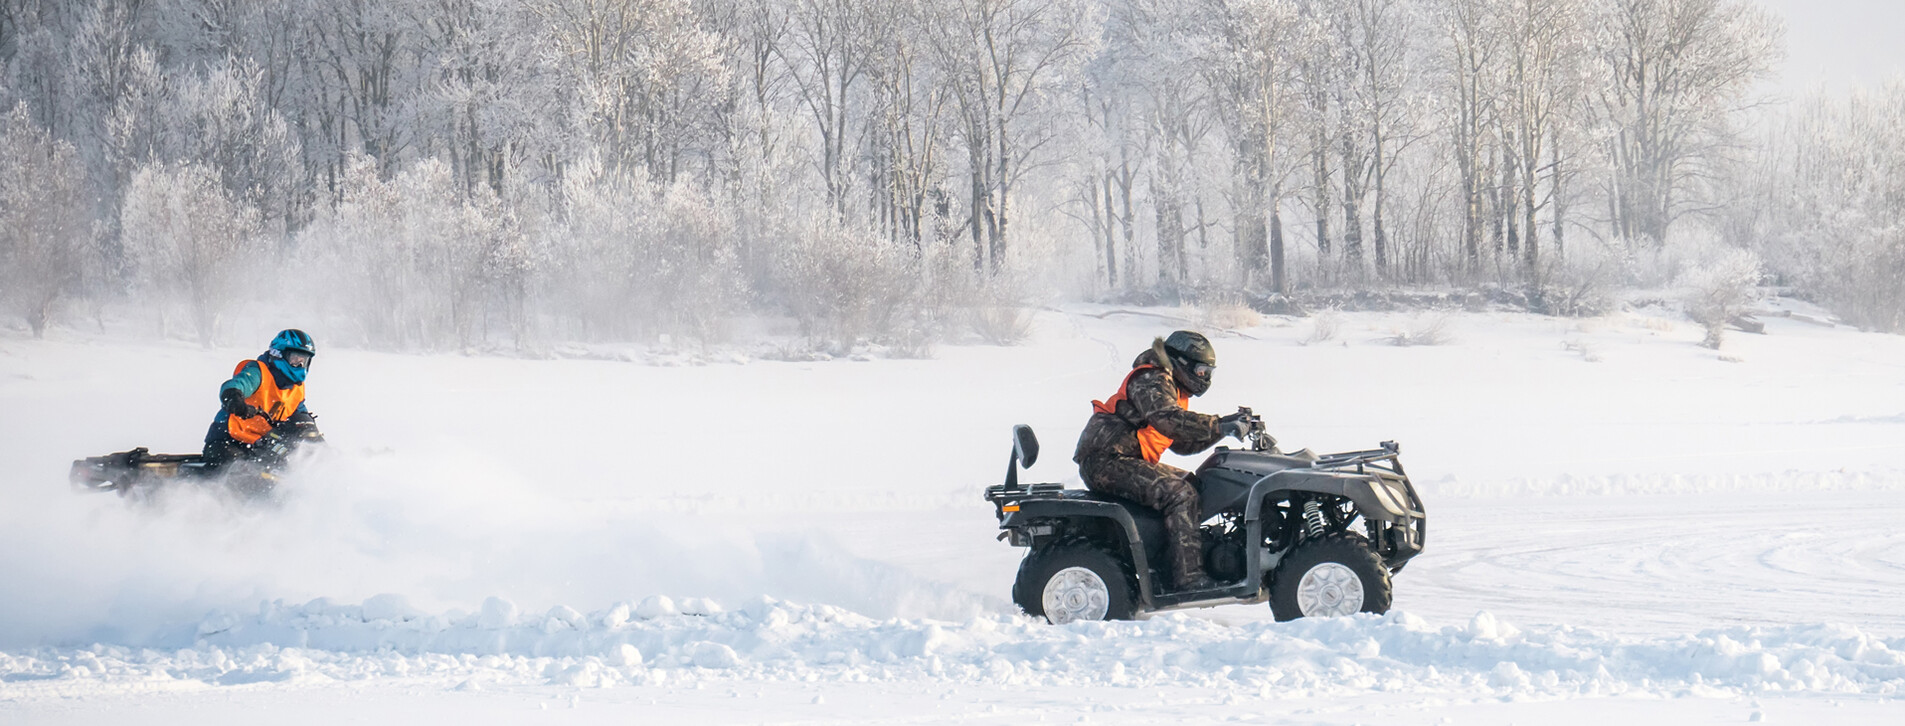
[1150, 399]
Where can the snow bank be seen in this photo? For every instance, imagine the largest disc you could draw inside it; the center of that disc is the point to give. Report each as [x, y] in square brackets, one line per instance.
[660, 641]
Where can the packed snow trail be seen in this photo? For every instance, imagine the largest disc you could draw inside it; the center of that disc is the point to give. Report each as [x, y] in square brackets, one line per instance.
[655, 642]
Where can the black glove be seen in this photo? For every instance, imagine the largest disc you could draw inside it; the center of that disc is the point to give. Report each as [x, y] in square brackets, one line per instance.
[235, 404]
[1236, 425]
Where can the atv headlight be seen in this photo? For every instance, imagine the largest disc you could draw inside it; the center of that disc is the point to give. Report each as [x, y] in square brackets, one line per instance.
[1388, 497]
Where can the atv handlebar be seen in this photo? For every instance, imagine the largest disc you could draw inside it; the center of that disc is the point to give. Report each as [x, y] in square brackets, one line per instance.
[1254, 434]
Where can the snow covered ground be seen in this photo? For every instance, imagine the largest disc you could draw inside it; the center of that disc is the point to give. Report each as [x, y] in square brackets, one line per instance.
[1624, 527]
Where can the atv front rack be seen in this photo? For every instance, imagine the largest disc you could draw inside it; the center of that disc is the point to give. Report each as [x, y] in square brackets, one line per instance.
[1390, 452]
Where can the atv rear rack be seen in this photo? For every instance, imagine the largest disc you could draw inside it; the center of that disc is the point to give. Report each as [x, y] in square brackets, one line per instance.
[117, 472]
[1003, 494]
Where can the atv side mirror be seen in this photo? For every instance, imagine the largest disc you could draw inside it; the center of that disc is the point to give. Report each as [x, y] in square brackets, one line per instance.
[1024, 445]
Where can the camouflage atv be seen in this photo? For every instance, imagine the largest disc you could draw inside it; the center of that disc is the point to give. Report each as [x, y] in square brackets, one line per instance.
[140, 475]
[1314, 536]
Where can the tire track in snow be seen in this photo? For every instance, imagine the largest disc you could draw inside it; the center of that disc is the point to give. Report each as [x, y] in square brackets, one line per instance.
[1616, 565]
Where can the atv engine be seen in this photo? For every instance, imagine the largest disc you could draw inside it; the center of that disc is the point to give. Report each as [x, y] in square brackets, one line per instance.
[1224, 551]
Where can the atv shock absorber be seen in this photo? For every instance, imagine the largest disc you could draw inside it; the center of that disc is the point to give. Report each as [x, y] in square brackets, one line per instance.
[1314, 524]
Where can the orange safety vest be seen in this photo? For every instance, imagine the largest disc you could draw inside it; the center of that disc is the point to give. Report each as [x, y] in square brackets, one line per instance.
[1151, 441]
[277, 404]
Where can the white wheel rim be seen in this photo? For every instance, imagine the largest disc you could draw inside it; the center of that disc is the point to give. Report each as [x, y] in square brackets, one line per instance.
[1076, 593]
[1329, 590]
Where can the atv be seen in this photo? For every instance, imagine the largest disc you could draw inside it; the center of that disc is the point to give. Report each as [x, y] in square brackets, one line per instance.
[140, 475]
[1313, 535]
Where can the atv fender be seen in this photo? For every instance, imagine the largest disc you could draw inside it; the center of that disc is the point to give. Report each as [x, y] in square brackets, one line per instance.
[1117, 514]
[1358, 488]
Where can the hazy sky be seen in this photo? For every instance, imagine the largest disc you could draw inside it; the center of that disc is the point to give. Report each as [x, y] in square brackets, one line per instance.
[1840, 43]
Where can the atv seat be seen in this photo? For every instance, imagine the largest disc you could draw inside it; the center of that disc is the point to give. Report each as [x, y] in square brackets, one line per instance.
[1150, 522]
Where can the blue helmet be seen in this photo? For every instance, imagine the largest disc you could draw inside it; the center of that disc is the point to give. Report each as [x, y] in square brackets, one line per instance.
[292, 340]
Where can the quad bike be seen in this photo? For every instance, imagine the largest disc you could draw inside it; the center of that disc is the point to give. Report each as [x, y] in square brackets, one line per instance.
[140, 474]
[1313, 535]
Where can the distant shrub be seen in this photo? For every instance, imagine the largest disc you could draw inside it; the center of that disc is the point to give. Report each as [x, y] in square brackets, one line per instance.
[1716, 290]
[1323, 327]
[1430, 329]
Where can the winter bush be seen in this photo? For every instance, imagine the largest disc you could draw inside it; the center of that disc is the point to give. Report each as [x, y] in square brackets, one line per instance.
[1323, 327]
[1425, 329]
[847, 284]
[1717, 289]
[1224, 311]
[1579, 286]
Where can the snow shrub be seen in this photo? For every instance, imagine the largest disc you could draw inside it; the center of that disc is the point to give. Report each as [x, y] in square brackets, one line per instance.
[1224, 311]
[1429, 329]
[1717, 290]
[1323, 327]
[847, 284]
[1578, 286]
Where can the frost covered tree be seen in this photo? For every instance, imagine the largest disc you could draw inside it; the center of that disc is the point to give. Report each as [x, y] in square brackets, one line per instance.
[646, 76]
[190, 242]
[638, 257]
[46, 240]
[418, 264]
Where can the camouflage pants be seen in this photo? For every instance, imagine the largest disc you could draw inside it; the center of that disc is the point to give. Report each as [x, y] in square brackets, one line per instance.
[1163, 488]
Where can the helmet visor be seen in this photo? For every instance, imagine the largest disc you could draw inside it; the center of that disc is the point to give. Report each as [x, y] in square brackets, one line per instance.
[297, 358]
[1203, 370]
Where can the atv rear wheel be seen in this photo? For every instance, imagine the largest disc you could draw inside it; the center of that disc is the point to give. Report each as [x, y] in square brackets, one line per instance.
[1329, 577]
[1070, 581]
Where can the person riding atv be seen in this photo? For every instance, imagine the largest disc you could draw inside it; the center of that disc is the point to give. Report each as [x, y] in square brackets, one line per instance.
[263, 396]
[1118, 453]
[262, 422]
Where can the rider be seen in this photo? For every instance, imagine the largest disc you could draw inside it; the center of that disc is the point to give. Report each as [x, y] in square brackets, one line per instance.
[1119, 450]
[261, 395]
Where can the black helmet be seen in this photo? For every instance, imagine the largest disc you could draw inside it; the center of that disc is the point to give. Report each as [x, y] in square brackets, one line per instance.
[1193, 360]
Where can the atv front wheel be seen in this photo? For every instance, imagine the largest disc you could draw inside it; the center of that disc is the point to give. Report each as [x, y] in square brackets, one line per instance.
[1330, 577]
[1071, 581]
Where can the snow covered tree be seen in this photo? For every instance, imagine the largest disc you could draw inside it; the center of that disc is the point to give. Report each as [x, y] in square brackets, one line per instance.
[46, 240]
[189, 241]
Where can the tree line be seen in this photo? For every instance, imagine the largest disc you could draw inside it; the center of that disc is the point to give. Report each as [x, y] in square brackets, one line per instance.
[456, 173]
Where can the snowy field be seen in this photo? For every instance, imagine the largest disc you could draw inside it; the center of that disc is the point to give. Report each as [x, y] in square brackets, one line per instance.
[1624, 527]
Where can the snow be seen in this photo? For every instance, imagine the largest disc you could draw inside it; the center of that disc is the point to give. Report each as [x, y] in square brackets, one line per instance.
[1656, 532]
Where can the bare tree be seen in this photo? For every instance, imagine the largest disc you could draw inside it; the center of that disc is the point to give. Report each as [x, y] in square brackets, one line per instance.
[830, 46]
[1003, 58]
[1471, 47]
[1250, 72]
[1675, 70]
